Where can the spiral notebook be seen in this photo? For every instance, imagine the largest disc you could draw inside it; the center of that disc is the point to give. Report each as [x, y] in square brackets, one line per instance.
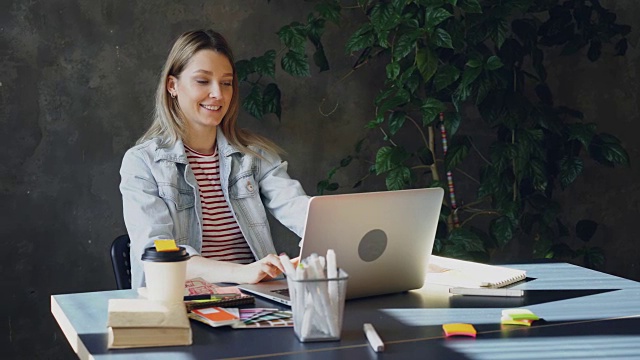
[469, 274]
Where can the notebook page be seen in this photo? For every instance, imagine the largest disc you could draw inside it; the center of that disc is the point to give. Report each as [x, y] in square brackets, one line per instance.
[462, 273]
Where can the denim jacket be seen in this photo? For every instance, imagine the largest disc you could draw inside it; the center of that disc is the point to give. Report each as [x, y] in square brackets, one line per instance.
[161, 199]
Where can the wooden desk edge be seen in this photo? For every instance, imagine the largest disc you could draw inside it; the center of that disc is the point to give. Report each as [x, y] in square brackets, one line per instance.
[72, 336]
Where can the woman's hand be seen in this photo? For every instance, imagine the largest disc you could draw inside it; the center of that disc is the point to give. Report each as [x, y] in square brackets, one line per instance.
[295, 261]
[266, 268]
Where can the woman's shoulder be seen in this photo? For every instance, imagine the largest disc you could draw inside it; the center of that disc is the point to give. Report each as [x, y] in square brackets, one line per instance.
[264, 154]
[149, 147]
[144, 151]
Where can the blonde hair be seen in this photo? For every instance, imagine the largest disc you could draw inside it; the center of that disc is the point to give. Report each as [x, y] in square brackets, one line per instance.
[168, 120]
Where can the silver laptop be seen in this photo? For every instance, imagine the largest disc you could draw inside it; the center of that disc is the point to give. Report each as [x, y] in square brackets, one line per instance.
[383, 240]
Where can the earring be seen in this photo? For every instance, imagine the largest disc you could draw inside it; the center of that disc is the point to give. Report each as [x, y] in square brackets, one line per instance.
[173, 95]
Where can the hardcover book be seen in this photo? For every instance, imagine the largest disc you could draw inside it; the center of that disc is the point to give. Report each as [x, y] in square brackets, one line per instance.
[142, 323]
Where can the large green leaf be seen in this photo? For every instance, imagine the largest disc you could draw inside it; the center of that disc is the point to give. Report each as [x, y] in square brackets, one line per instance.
[435, 16]
[537, 172]
[430, 109]
[362, 38]
[271, 100]
[400, 98]
[405, 44]
[458, 151]
[325, 185]
[384, 95]
[442, 38]
[243, 69]
[329, 10]
[398, 178]
[315, 29]
[510, 209]
[452, 121]
[520, 5]
[493, 63]
[295, 63]
[410, 80]
[253, 102]
[582, 132]
[606, 149]
[502, 154]
[498, 31]
[445, 76]
[389, 157]
[570, 168]
[320, 59]
[393, 70]
[346, 161]
[469, 75]
[427, 62]
[593, 257]
[383, 16]
[399, 5]
[470, 6]
[396, 120]
[293, 36]
[502, 230]
[425, 155]
[430, 3]
[265, 64]
[483, 87]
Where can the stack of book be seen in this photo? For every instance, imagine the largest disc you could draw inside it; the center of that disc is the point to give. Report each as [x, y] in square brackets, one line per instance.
[142, 323]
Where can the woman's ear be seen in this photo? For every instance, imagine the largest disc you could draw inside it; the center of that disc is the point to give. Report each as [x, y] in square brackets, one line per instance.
[172, 83]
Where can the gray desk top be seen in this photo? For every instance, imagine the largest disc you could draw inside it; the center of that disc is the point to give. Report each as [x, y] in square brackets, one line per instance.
[585, 313]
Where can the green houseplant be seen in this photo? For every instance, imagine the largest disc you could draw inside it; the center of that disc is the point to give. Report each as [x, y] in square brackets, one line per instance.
[449, 60]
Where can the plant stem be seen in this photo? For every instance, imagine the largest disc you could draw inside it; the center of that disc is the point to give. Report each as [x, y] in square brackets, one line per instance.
[479, 153]
[469, 205]
[478, 214]
[424, 138]
[434, 168]
[468, 176]
[387, 136]
[330, 112]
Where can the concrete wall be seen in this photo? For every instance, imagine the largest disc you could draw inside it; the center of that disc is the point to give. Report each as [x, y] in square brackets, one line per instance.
[76, 86]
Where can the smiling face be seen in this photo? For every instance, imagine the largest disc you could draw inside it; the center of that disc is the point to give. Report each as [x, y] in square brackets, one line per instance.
[203, 90]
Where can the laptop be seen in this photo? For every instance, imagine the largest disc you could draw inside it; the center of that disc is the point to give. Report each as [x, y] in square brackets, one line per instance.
[383, 240]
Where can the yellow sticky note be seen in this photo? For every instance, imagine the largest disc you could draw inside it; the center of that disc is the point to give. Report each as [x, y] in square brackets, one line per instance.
[520, 314]
[166, 245]
[509, 321]
[459, 329]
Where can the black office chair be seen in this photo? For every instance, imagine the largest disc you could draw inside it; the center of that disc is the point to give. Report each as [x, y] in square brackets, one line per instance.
[120, 249]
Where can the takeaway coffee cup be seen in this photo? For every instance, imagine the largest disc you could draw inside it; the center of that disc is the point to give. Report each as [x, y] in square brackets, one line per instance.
[165, 273]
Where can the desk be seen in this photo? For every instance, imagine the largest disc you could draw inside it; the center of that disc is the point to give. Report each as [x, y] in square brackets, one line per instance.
[587, 314]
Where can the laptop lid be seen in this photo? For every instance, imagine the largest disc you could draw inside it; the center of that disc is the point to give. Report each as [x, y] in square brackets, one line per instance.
[383, 240]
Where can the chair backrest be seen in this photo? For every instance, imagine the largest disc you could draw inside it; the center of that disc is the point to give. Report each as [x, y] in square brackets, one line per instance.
[120, 249]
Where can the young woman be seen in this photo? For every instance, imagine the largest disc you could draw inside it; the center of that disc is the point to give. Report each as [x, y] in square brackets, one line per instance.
[196, 177]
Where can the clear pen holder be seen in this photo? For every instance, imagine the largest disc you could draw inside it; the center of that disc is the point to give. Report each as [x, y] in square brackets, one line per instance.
[317, 306]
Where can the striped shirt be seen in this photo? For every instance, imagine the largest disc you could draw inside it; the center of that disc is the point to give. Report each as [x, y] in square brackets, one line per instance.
[221, 235]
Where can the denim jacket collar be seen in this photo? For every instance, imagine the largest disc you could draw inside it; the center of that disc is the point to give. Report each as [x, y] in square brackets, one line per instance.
[175, 152]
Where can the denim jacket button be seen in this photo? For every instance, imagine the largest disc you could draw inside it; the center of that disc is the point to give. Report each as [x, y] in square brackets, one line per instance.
[249, 187]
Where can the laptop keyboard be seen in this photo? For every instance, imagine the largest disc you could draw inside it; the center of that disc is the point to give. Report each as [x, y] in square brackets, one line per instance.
[284, 292]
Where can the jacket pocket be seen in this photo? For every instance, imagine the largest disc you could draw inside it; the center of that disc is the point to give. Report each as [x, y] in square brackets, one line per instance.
[182, 198]
[243, 186]
[244, 196]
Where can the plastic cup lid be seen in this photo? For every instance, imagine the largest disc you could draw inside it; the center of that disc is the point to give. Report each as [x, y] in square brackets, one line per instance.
[150, 254]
